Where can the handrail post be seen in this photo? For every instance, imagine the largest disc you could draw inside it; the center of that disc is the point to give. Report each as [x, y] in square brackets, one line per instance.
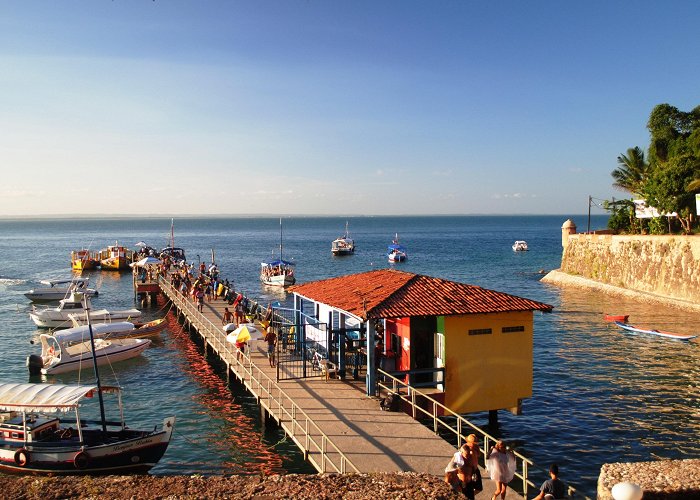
[525, 478]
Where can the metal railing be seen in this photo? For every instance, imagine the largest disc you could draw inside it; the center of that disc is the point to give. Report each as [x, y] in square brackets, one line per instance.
[296, 423]
[523, 464]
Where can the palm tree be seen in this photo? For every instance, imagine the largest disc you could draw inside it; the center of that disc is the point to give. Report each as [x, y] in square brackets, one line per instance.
[694, 185]
[633, 171]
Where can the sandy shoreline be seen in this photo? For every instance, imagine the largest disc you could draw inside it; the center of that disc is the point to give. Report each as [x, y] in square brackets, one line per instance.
[559, 278]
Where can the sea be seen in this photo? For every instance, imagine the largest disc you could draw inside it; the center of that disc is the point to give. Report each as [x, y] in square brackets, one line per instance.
[599, 395]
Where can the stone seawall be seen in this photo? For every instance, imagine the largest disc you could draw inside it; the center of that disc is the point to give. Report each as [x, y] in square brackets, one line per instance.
[663, 266]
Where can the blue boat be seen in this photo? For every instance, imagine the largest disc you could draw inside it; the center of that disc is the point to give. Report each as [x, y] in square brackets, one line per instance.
[396, 252]
[660, 333]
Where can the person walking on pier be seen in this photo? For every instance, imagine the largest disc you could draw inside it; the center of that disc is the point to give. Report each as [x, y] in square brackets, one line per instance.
[199, 295]
[227, 317]
[552, 488]
[271, 339]
[501, 465]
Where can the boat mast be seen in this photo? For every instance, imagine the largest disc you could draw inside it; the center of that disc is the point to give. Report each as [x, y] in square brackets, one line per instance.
[280, 240]
[86, 305]
[172, 233]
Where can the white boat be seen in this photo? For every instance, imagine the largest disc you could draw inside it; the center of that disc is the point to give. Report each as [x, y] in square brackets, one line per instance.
[70, 350]
[56, 291]
[520, 246]
[59, 317]
[396, 252]
[344, 245]
[278, 272]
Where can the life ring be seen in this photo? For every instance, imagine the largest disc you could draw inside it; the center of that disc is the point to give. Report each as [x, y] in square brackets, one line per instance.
[22, 457]
[51, 351]
[81, 460]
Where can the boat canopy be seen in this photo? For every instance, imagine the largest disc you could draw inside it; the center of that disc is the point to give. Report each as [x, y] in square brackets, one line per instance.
[81, 333]
[45, 397]
[395, 246]
[64, 281]
[277, 262]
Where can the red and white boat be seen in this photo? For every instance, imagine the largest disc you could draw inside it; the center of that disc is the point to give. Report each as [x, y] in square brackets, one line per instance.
[660, 333]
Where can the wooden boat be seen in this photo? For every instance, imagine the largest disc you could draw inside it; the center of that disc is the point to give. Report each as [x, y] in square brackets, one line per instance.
[83, 260]
[660, 333]
[55, 291]
[396, 252]
[343, 245]
[115, 258]
[611, 318]
[277, 272]
[35, 441]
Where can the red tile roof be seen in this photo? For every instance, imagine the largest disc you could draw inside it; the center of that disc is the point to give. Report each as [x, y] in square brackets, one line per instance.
[388, 293]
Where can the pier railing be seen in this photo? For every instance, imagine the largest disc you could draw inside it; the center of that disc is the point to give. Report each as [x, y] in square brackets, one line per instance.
[418, 401]
[315, 444]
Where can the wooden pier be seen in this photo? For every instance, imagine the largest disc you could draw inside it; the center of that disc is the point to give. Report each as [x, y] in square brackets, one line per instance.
[334, 423]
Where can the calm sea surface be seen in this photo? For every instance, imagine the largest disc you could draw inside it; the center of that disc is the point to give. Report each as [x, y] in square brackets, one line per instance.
[599, 395]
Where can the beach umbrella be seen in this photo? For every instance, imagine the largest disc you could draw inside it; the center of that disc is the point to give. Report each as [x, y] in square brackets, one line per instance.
[146, 261]
[244, 333]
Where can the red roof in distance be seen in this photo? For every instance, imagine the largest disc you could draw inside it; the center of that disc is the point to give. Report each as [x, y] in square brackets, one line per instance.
[388, 293]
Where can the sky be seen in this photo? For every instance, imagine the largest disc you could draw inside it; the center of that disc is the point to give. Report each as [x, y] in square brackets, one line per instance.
[331, 107]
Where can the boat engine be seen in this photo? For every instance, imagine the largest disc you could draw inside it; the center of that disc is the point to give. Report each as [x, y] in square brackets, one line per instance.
[35, 363]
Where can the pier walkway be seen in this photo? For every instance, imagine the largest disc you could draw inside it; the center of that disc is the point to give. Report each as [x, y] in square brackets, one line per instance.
[337, 427]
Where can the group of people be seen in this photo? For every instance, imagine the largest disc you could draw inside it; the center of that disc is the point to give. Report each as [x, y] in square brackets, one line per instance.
[463, 474]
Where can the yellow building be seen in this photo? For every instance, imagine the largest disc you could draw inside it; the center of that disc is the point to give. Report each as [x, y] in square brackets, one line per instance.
[472, 345]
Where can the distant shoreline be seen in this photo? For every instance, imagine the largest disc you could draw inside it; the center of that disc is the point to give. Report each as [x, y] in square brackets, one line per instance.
[261, 215]
[559, 278]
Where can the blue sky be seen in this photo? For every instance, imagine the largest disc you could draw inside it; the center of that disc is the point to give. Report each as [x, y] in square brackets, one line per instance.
[331, 107]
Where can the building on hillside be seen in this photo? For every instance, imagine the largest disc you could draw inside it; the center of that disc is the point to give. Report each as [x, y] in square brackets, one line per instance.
[475, 346]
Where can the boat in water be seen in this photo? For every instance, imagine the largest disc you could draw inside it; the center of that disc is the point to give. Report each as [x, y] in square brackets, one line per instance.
[611, 318]
[396, 252]
[60, 317]
[115, 258]
[54, 289]
[520, 246]
[660, 333]
[277, 272]
[71, 349]
[83, 260]
[343, 245]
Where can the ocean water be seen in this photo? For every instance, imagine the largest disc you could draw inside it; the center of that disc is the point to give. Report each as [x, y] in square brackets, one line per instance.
[599, 395]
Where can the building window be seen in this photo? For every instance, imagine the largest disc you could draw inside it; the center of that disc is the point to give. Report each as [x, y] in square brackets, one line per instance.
[511, 329]
[480, 331]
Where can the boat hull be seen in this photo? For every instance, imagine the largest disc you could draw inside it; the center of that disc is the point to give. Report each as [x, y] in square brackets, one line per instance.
[55, 319]
[279, 280]
[616, 317]
[116, 350]
[54, 295]
[658, 333]
[138, 454]
[114, 264]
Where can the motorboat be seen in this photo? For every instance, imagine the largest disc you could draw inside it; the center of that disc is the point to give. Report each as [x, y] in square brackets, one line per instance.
[176, 255]
[71, 349]
[121, 329]
[277, 272]
[115, 257]
[520, 246]
[611, 318]
[343, 245]
[396, 252]
[34, 440]
[54, 289]
[660, 333]
[83, 260]
[60, 317]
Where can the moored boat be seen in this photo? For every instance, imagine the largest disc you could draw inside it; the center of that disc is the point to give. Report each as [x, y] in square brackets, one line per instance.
[60, 317]
[277, 272]
[55, 291]
[35, 441]
[611, 318]
[660, 333]
[83, 260]
[396, 252]
[520, 246]
[115, 257]
[343, 245]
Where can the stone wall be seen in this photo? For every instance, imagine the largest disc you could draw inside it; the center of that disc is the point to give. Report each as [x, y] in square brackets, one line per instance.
[660, 480]
[666, 266]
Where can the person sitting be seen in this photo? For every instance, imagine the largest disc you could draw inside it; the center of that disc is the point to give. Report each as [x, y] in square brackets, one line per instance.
[552, 488]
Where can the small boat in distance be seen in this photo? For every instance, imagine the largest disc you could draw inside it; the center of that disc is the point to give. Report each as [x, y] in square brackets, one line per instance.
[60, 317]
[611, 318]
[520, 246]
[115, 258]
[660, 333]
[83, 260]
[54, 290]
[344, 245]
[277, 272]
[396, 252]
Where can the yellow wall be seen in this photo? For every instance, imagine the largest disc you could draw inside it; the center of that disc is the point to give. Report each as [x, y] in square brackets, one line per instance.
[487, 372]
